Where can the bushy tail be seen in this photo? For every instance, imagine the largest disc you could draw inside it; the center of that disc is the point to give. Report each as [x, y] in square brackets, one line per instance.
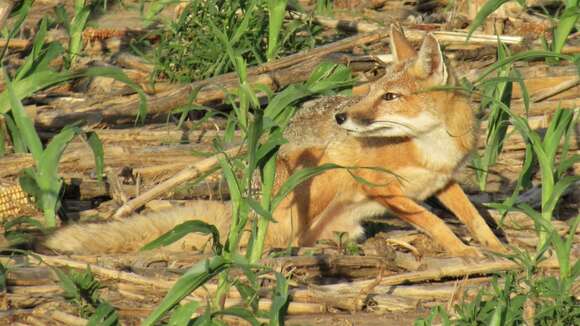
[131, 234]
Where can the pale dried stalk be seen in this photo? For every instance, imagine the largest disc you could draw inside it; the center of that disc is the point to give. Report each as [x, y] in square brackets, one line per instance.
[35, 290]
[15, 43]
[68, 319]
[5, 9]
[107, 272]
[417, 35]
[455, 270]
[189, 173]
[544, 94]
[294, 308]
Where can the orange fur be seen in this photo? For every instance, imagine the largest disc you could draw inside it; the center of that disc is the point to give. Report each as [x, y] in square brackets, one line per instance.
[421, 136]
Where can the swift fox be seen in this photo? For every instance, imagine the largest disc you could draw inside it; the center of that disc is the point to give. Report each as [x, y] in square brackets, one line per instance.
[421, 136]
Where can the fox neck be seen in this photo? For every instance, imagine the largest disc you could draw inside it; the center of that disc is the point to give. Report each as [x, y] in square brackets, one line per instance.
[448, 145]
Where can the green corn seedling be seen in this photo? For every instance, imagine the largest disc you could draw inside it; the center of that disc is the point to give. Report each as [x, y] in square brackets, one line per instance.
[499, 89]
[43, 181]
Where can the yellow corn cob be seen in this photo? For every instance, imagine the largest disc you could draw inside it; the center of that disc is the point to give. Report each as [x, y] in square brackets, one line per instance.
[14, 202]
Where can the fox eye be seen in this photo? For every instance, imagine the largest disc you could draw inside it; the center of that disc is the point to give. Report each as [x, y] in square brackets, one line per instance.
[390, 96]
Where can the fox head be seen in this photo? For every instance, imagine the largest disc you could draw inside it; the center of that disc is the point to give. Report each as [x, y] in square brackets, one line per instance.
[400, 104]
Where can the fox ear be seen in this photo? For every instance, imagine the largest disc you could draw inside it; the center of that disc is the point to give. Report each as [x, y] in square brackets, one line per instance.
[400, 46]
[430, 63]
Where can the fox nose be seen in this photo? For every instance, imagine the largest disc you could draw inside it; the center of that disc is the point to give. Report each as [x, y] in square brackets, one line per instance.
[340, 118]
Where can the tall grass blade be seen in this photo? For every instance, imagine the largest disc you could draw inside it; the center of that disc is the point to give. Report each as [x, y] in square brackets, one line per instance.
[184, 229]
[523, 56]
[191, 280]
[98, 153]
[3, 142]
[488, 8]
[23, 122]
[105, 315]
[29, 85]
[40, 80]
[77, 27]
[182, 315]
[276, 11]
[243, 27]
[279, 301]
[18, 145]
[297, 178]
[501, 91]
[568, 163]
[21, 15]
[155, 7]
[566, 24]
[37, 45]
[240, 312]
[47, 165]
[558, 191]
[558, 128]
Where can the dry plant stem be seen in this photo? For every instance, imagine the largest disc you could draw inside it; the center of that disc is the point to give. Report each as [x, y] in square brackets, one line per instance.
[5, 9]
[116, 191]
[330, 262]
[382, 303]
[36, 321]
[294, 308]
[135, 62]
[160, 169]
[189, 173]
[35, 290]
[456, 270]
[22, 301]
[430, 291]
[417, 35]
[67, 319]
[560, 87]
[145, 135]
[5, 313]
[546, 106]
[545, 94]
[107, 272]
[18, 44]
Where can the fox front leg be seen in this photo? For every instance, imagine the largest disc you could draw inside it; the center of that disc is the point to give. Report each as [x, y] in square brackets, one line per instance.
[457, 201]
[411, 212]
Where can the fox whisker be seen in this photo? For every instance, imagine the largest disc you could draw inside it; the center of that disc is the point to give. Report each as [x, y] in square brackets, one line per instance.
[397, 123]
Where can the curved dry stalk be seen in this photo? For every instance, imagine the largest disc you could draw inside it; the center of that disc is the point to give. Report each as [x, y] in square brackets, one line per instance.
[188, 173]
